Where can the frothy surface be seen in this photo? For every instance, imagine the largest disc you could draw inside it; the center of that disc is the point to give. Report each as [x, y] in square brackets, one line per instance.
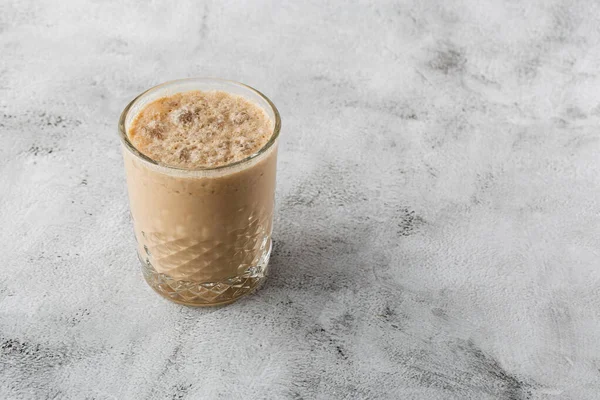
[200, 129]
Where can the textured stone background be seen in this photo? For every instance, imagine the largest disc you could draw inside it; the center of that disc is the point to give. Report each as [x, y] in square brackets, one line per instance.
[438, 223]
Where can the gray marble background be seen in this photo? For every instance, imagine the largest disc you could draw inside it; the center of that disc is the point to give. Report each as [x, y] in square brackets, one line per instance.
[438, 222]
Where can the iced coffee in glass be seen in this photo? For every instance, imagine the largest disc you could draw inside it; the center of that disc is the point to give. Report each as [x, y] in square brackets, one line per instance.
[200, 158]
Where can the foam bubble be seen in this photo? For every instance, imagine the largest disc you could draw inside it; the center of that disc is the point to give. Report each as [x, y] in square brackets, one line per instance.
[200, 129]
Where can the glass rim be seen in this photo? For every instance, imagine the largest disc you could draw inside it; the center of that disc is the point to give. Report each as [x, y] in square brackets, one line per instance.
[125, 138]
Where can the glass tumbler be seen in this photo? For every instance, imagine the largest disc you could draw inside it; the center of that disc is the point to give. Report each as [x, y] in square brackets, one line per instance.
[203, 235]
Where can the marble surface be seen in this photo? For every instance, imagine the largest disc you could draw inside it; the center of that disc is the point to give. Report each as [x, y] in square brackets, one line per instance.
[438, 222]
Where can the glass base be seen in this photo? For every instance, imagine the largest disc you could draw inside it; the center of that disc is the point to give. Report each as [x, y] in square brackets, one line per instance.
[206, 294]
